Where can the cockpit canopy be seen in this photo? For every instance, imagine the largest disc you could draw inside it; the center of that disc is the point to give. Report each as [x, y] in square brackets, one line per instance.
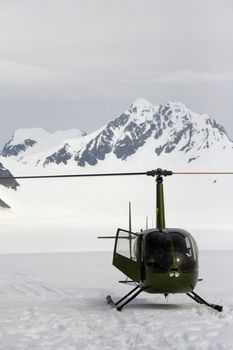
[169, 248]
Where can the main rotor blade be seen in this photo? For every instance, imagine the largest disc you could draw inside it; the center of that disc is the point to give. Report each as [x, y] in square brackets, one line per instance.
[70, 175]
[204, 173]
[152, 173]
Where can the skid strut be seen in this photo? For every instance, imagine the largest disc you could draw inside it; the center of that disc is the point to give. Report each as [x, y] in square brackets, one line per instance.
[200, 300]
[119, 305]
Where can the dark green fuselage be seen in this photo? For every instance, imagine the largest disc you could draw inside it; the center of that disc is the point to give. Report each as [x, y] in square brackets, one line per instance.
[161, 261]
[170, 261]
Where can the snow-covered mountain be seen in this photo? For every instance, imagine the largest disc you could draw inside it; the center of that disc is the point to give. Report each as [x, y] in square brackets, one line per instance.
[164, 129]
[27, 142]
[169, 130]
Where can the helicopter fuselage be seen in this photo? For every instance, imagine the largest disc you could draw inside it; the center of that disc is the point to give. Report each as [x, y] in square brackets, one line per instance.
[160, 261]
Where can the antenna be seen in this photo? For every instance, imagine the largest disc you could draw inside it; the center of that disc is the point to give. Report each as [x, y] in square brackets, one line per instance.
[146, 222]
[130, 230]
[130, 218]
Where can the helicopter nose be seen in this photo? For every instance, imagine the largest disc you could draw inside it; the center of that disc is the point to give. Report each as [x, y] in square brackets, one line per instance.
[174, 272]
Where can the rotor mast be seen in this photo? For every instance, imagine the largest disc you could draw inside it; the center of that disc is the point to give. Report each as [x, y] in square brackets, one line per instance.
[160, 209]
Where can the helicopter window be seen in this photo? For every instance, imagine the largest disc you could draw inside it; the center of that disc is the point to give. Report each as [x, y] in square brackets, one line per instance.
[188, 246]
[194, 247]
[158, 251]
[124, 244]
[183, 251]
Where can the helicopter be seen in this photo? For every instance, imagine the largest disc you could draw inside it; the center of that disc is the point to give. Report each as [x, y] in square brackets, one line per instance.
[158, 261]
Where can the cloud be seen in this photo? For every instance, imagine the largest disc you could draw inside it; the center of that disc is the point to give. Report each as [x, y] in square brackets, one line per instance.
[11, 71]
[179, 76]
[19, 79]
[193, 76]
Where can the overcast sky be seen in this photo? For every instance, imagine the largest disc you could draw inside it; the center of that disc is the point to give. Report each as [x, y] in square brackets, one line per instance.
[80, 63]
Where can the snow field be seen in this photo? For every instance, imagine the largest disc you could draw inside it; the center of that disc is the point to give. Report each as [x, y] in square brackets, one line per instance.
[57, 301]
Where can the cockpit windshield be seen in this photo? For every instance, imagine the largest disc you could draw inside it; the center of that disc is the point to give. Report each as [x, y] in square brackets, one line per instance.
[163, 250]
[184, 251]
[158, 251]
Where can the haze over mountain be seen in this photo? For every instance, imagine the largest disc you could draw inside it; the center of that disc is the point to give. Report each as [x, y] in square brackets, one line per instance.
[169, 131]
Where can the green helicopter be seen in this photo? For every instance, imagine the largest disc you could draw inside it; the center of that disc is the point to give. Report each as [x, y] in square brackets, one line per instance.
[160, 260]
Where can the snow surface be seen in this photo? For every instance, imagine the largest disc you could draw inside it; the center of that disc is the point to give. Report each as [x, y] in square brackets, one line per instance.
[57, 302]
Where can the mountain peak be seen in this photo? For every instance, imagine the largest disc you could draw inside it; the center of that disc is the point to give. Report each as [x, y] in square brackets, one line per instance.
[140, 105]
[141, 102]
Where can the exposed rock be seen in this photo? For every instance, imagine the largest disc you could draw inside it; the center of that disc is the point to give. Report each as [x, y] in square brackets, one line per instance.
[14, 150]
[61, 156]
[3, 205]
[9, 183]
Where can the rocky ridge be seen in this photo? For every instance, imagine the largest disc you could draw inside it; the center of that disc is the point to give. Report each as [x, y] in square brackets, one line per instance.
[170, 129]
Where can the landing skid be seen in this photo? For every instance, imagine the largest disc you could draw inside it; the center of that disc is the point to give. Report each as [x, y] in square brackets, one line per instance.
[119, 305]
[137, 290]
[200, 300]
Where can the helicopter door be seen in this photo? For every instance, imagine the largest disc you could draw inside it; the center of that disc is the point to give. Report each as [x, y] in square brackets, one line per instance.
[124, 254]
